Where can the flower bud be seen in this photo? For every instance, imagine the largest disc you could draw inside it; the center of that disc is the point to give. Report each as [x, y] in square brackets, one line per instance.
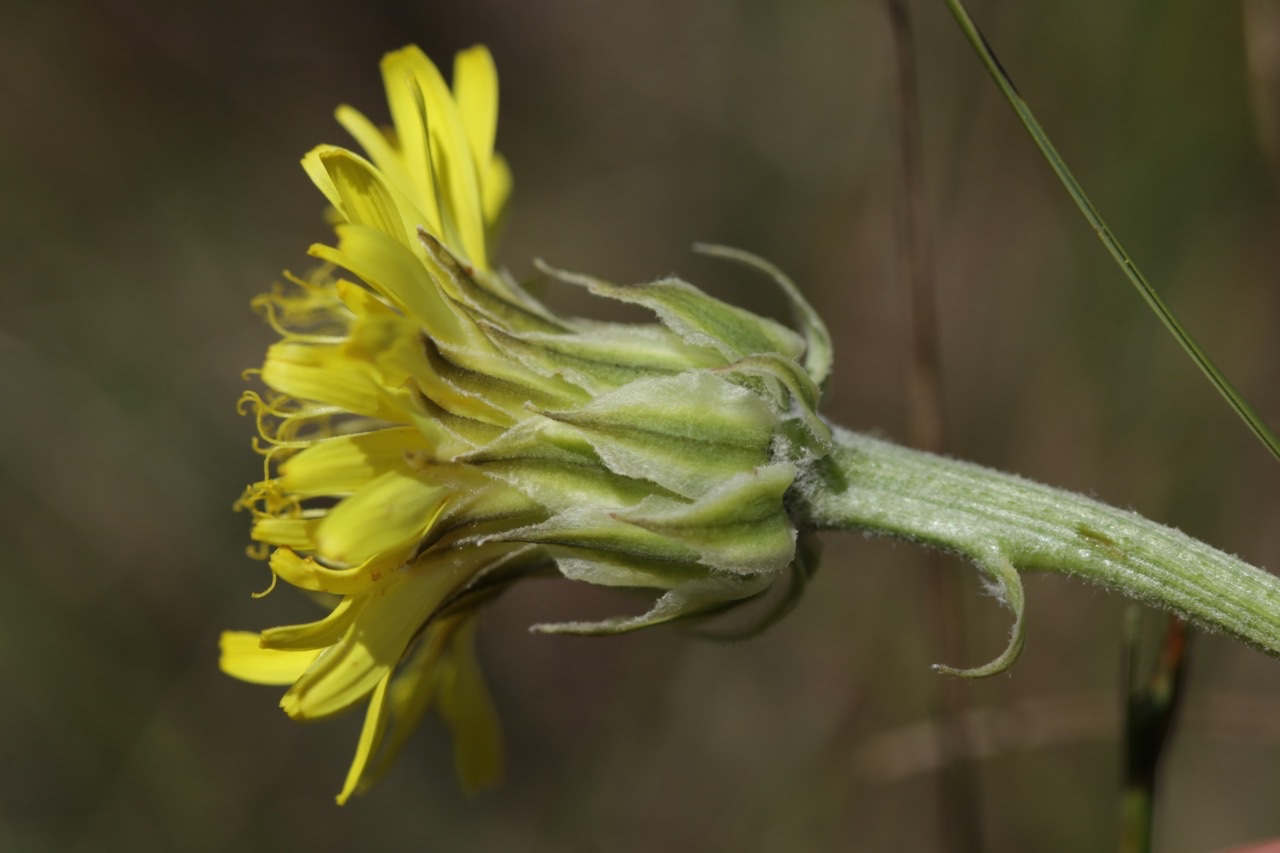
[433, 433]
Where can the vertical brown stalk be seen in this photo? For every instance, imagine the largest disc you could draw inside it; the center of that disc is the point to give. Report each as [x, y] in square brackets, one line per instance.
[959, 800]
[1261, 19]
[1151, 707]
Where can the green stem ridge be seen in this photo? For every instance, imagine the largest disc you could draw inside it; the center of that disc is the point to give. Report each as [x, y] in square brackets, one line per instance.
[1006, 524]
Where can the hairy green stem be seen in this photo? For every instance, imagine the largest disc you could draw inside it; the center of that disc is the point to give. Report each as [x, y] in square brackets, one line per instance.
[1006, 524]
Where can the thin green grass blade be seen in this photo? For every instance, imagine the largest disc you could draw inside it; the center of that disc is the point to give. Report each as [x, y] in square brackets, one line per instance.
[1094, 218]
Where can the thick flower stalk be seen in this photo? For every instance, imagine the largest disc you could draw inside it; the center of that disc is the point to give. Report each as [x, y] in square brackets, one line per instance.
[433, 433]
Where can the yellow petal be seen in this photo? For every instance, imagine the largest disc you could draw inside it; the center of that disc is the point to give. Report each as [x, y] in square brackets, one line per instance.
[390, 512]
[360, 301]
[296, 532]
[319, 176]
[375, 724]
[393, 270]
[345, 463]
[372, 646]
[314, 635]
[394, 347]
[411, 132]
[242, 657]
[384, 155]
[468, 708]
[306, 573]
[363, 197]
[475, 85]
[325, 375]
[451, 160]
[495, 184]
[413, 685]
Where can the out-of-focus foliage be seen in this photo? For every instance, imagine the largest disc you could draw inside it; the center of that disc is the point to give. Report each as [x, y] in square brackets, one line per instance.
[149, 164]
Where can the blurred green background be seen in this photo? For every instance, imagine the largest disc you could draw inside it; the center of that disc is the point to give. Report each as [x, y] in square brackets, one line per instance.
[148, 164]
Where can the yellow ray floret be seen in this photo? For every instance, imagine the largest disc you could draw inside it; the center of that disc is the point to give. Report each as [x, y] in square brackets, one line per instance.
[438, 162]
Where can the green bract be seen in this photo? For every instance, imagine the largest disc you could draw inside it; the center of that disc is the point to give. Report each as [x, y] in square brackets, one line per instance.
[673, 476]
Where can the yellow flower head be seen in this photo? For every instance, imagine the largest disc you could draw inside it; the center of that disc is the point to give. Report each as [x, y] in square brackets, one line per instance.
[433, 433]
